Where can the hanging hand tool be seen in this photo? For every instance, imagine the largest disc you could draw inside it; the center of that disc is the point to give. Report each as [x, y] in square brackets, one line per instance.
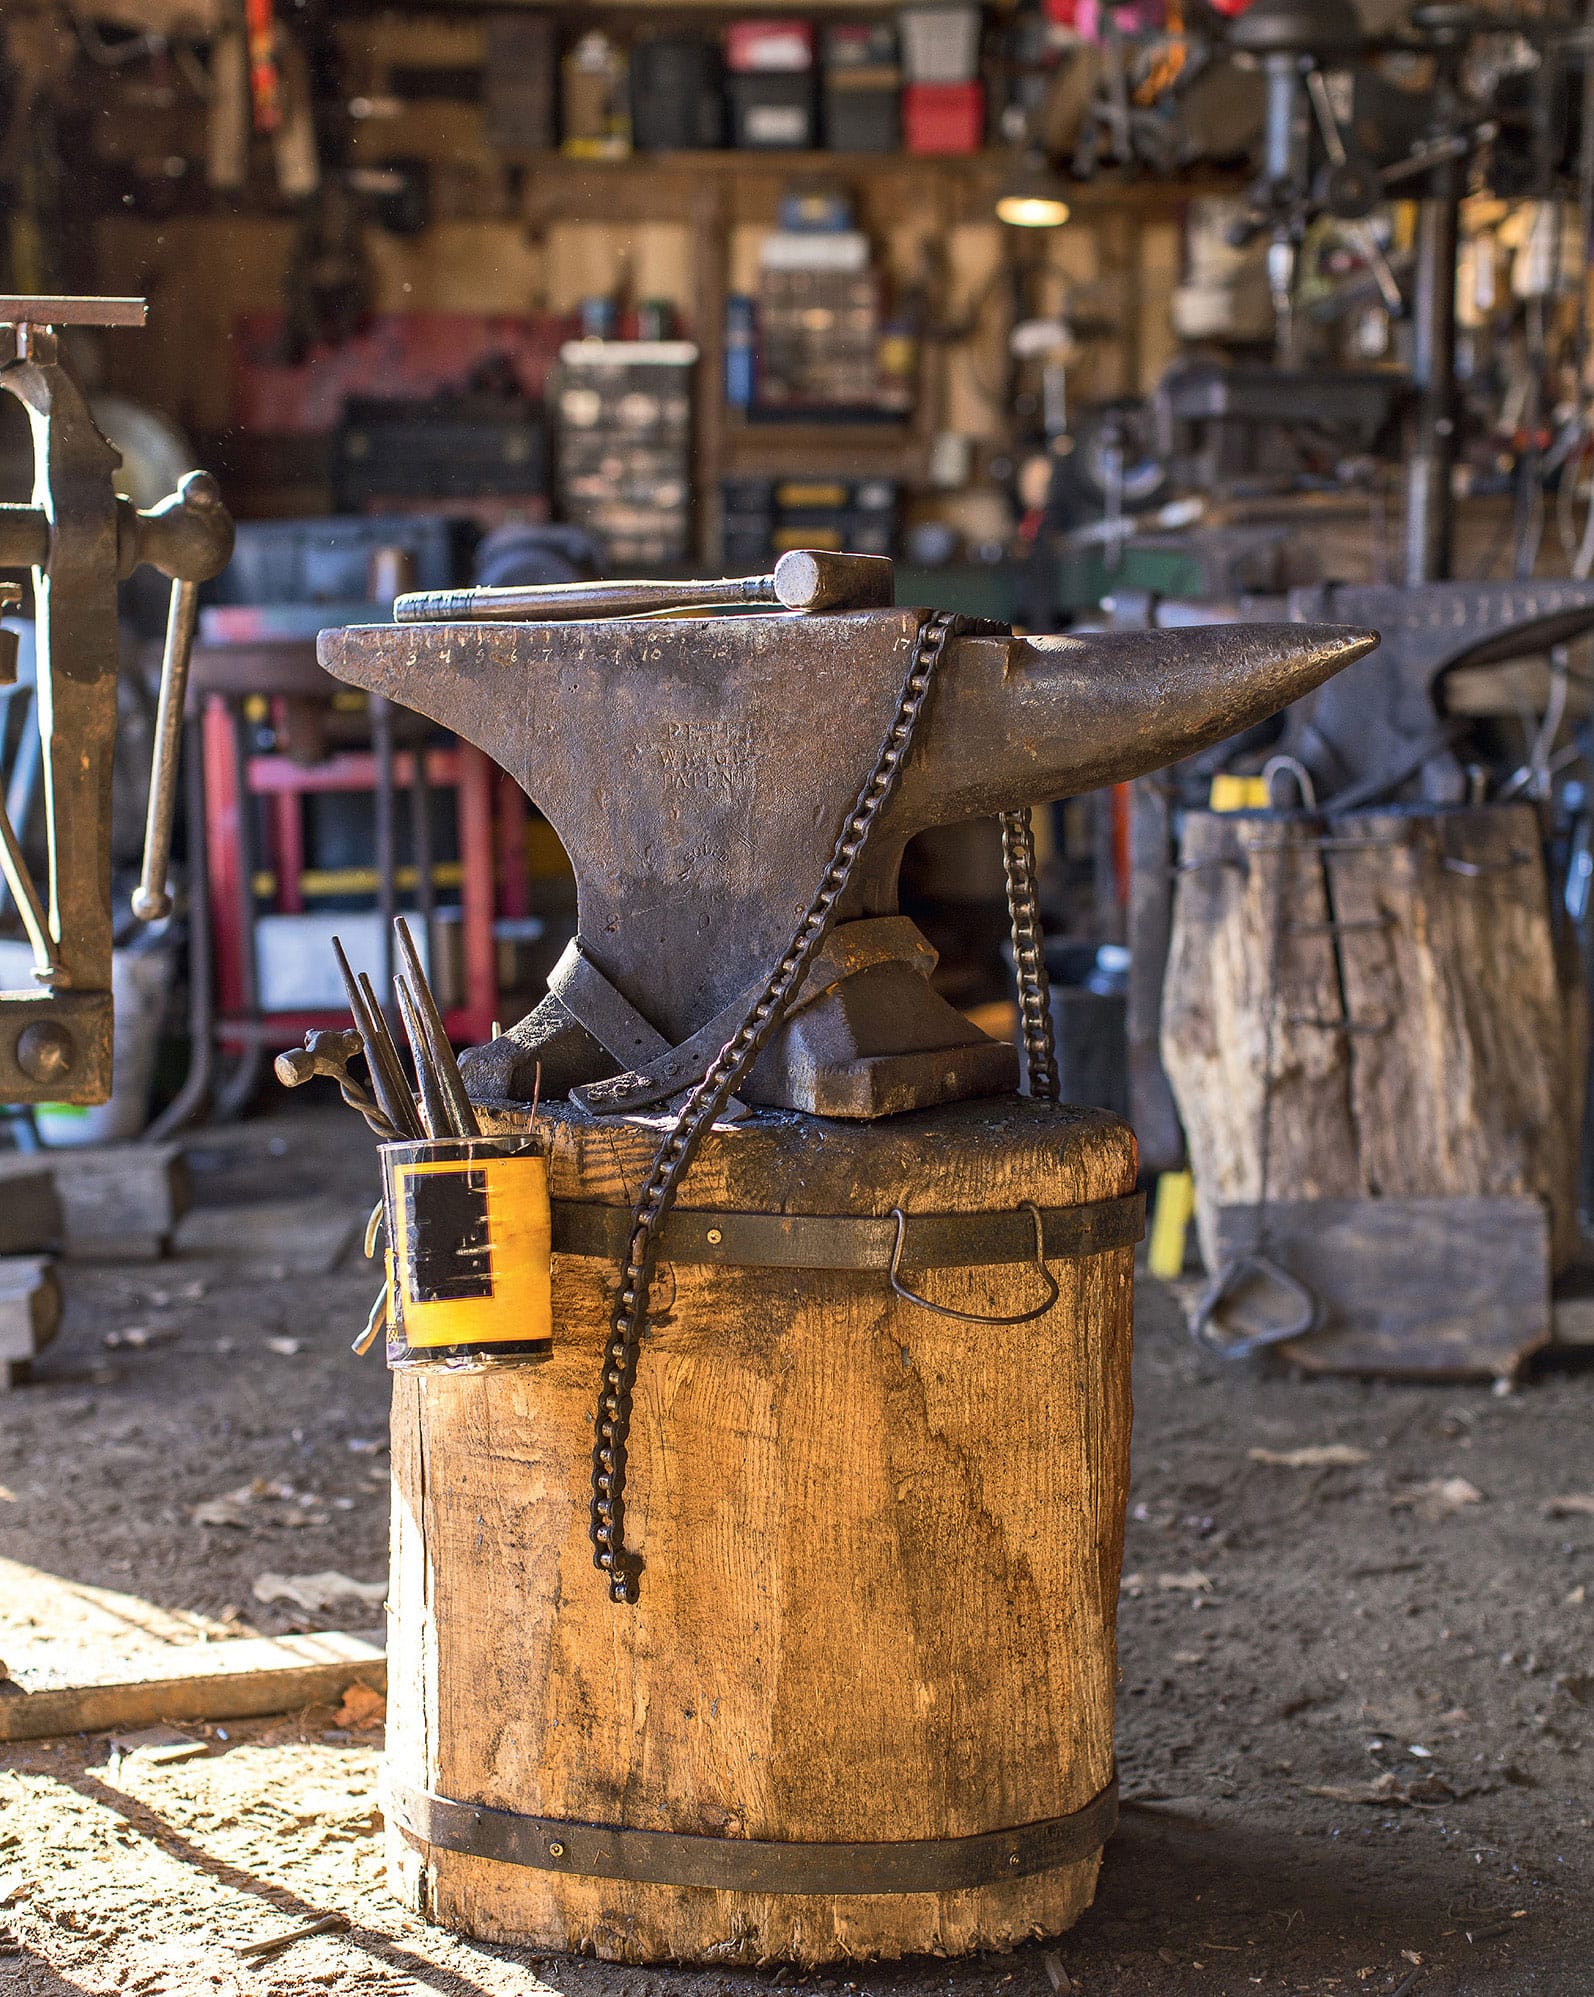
[79, 539]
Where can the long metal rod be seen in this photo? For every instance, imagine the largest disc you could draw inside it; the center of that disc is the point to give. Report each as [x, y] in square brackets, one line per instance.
[561, 600]
[1429, 505]
[190, 1098]
[235, 1092]
[461, 1116]
[71, 309]
[153, 898]
[387, 1081]
[803, 579]
[434, 1104]
[392, 1061]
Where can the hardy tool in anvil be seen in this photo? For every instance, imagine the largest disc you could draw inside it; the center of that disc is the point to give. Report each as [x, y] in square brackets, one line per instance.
[698, 772]
[79, 538]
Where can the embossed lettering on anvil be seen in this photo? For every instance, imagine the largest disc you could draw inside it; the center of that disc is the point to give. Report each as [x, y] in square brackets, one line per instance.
[712, 758]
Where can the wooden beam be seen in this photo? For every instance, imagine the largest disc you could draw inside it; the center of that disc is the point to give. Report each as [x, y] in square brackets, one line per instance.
[240, 1678]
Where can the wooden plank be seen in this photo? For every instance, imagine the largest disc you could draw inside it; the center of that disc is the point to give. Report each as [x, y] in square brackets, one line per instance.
[310, 1236]
[112, 1201]
[121, 1202]
[30, 1314]
[240, 1678]
[1454, 1288]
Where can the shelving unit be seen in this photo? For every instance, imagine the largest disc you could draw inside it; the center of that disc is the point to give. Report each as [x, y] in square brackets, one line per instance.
[713, 193]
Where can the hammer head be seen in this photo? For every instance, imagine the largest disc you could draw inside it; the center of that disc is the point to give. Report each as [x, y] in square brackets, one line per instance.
[325, 1052]
[698, 773]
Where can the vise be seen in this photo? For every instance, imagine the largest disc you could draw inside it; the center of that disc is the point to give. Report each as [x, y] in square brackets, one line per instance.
[700, 772]
[80, 538]
[1381, 731]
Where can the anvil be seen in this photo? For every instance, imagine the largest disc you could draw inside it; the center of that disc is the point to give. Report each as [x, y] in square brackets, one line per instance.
[698, 771]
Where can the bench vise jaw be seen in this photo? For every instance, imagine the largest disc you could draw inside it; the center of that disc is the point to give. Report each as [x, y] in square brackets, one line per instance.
[79, 538]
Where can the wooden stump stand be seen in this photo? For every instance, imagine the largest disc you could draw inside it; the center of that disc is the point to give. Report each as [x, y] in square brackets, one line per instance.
[875, 1640]
[1377, 1002]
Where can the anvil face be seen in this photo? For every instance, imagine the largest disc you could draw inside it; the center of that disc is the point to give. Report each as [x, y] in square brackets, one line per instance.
[698, 772]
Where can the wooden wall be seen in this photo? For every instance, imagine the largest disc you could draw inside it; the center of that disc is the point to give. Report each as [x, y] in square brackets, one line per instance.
[541, 233]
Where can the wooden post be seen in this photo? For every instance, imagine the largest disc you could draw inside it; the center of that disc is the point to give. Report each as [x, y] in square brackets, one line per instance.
[882, 1556]
[1394, 1013]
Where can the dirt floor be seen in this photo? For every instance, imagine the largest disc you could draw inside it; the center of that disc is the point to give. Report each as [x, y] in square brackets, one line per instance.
[1357, 1689]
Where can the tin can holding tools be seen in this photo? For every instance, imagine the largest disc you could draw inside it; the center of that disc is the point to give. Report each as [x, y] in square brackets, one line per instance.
[468, 1252]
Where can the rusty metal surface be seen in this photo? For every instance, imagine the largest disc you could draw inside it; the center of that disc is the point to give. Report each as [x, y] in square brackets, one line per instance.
[755, 1865]
[697, 771]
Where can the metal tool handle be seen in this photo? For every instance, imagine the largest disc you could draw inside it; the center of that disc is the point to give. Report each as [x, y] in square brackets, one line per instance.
[190, 538]
[803, 579]
[152, 898]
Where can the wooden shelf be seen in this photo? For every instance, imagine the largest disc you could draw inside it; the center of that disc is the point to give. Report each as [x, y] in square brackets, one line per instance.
[786, 450]
[664, 186]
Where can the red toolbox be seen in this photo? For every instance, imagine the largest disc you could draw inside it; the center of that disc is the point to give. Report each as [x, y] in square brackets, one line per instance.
[943, 117]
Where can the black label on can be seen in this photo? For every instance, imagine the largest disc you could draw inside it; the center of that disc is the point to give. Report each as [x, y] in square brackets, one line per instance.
[450, 1253]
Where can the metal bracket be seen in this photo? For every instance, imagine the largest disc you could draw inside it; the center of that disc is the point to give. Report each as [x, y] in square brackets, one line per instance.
[755, 1865]
[858, 1241]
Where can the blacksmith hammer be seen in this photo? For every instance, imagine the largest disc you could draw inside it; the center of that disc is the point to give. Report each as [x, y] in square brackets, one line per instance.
[803, 579]
[699, 771]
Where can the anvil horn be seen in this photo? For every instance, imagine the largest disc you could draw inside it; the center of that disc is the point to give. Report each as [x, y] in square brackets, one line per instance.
[698, 774]
[1033, 719]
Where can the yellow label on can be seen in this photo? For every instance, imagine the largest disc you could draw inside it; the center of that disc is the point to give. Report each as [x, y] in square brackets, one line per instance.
[474, 1249]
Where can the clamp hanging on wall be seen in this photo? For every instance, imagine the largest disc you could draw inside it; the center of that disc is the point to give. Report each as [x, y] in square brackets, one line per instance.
[80, 539]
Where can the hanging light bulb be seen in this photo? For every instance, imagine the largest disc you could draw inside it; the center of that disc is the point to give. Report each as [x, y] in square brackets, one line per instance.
[1034, 197]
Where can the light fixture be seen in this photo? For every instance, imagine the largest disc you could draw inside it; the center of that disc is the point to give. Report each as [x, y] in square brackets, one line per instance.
[1033, 197]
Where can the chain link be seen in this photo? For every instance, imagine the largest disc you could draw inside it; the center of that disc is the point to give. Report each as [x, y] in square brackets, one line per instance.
[725, 1073]
[1029, 956]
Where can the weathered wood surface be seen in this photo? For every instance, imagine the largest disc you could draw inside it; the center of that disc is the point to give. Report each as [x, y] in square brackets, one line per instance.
[76, 1658]
[104, 1202]
[240, 1678]
[882, 1550]
[30, 1314]
[1430, 1288]
[1424, 1043]
[30, 1206]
